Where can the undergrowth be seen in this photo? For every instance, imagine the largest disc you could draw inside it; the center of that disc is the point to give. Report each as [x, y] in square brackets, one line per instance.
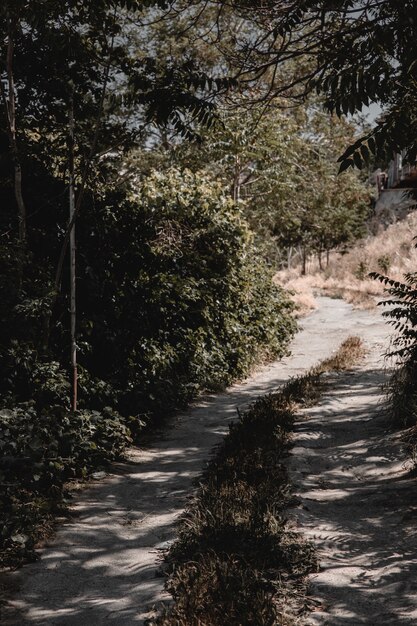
[181, 304]
[237, 561]
[402, 386]
[40, 452]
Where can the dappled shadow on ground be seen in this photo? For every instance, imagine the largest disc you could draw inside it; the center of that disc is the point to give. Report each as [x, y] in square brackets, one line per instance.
[104, 565]
[359, 505]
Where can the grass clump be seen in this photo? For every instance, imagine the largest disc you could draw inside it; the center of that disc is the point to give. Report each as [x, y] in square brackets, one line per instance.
[234, 545]
[350, 351]
[237, 560]
[307, 389]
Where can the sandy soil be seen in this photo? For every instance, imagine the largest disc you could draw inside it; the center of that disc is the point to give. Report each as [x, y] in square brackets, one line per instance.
[103, 566]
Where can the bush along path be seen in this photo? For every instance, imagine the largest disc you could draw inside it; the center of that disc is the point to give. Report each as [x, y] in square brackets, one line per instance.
[152, 336]
[104, 564]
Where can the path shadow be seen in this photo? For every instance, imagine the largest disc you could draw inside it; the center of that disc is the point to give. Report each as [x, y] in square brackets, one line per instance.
[104, 565]
[359, 505]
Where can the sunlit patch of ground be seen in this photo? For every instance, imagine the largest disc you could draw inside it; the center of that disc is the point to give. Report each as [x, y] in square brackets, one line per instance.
[391, 252]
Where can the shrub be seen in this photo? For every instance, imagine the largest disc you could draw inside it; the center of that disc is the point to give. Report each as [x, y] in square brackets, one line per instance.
[47, 447]
[402, 314]
[384, 262]
[39, 452]
[361, 270]
[181, 303]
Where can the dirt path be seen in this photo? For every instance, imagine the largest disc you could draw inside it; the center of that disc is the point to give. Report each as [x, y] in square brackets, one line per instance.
[359, 504]
[102, 566]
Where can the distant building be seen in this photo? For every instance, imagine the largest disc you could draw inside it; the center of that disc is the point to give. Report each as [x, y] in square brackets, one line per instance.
[396, 190]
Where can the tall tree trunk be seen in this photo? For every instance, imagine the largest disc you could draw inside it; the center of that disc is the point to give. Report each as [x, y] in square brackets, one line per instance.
[304, 261]
[327, 257]
[320, 261]
[72, 248]
[236, 180]
[87, 164]
[9, 101]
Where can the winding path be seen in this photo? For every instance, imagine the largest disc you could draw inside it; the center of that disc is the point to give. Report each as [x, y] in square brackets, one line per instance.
[102, 567]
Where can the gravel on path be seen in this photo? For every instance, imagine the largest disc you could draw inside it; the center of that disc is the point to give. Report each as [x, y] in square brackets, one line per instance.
[103, 566]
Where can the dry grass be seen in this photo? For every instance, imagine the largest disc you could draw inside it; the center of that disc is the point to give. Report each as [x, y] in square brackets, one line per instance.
[237, 560]
[307, 389]
[348, 354]
[391, 251]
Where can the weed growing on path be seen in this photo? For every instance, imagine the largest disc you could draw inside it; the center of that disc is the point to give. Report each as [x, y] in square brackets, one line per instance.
[349, 353]
[237, 560]
[306, 389]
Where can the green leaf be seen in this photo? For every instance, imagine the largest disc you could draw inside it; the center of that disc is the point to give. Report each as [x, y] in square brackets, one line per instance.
[346, 164]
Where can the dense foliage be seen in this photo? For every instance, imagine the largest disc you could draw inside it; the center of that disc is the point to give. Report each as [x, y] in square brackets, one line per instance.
[181, 303]
[171, 296]
[356, 52]
[40, 451]
[402, 315]
[172, 300]
[280, 166]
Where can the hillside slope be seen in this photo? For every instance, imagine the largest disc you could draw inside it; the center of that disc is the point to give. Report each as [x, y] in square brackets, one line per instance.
[391, 251]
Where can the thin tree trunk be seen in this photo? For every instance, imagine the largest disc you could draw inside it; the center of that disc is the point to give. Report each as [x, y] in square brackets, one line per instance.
[304, 262]
[320, 261]
[73, 300]
[9, 101]
[84, 178]
[327, 257]
[236, 181]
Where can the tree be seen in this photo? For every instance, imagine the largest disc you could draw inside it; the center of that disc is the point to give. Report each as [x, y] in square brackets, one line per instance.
[79, 56]
[56, 49]
[9, 101]
[280, 166]
[354, 52]
[324, 211]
